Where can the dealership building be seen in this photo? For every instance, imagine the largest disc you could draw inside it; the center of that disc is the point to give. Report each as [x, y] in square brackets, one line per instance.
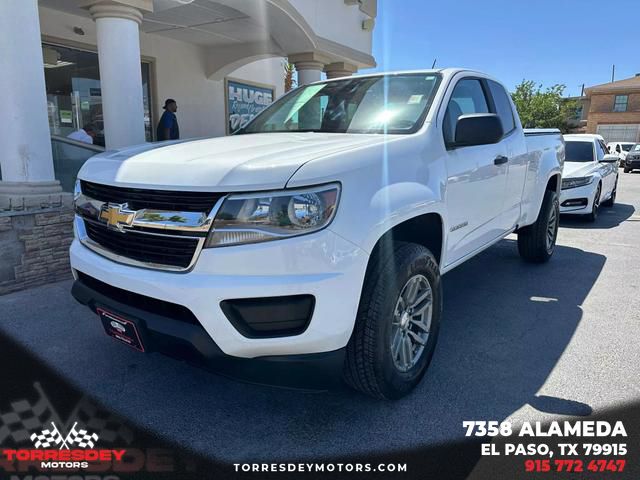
[112, 64]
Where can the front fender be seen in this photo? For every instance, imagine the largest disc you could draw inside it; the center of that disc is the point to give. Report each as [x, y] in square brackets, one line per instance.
[395, 204]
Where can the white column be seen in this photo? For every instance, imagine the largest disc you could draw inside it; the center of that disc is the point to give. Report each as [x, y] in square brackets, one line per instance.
[309, 72]
[120, 73]
[309, 66]
[25, 144]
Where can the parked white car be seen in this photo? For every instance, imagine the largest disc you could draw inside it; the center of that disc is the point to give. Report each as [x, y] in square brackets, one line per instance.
[621, 149]
[589, 177]
[320, 232]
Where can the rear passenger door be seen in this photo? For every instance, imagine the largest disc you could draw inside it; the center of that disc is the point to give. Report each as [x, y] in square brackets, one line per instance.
[517, 153]
[476, 176]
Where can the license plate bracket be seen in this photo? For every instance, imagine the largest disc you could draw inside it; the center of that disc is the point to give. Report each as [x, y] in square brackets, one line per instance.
[120, 328]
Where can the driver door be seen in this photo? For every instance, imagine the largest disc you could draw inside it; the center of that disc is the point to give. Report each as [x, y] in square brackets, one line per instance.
[476, 176]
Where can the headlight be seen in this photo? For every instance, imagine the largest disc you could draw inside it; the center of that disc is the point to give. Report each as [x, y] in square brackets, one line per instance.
[576, 182]
[273, 215]
[77, 190]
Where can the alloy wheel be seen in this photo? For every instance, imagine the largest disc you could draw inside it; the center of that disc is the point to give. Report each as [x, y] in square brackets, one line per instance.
[596, 202]
[552, 228]
[411, 323]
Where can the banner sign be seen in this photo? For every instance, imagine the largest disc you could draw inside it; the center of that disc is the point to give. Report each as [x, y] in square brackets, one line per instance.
[244, 100]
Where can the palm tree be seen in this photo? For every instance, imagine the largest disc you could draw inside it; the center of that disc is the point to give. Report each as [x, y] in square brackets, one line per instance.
[289, 82]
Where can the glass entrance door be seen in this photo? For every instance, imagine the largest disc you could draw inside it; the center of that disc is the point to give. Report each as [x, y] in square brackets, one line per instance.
[74, 95]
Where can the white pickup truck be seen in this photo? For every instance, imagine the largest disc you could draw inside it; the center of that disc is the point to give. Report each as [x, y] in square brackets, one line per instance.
[315, 238]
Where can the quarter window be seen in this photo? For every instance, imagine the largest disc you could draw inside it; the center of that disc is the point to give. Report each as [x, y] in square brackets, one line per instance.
[503, 106]
[620, 103]
[467, 97]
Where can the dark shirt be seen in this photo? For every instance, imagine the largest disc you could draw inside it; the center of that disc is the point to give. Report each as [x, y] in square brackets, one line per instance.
[168, 121]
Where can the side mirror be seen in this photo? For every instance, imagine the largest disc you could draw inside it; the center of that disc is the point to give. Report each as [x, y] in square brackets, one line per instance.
[478, 129]
[610, 158]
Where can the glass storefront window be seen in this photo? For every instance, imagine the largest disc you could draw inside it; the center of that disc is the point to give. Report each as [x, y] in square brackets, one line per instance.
[74, 96]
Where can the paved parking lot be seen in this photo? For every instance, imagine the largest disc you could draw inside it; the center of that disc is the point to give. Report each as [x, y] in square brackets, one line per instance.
[518, 341]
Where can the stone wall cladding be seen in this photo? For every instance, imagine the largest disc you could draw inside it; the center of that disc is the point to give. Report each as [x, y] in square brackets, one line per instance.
[34, 248]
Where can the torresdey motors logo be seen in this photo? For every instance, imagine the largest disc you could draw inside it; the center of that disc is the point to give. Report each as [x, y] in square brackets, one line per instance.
[65, 456]
[57, 446]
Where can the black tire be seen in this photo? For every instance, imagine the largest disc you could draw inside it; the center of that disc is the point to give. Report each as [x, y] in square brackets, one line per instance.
[626, 170]
[612, 199]
[534, 243]
[593, 216]
[370, 365]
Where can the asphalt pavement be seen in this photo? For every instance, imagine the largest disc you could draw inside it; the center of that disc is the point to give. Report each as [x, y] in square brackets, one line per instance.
[517, 341]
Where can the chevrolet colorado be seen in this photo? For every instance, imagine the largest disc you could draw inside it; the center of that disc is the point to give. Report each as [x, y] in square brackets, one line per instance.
[319, 233]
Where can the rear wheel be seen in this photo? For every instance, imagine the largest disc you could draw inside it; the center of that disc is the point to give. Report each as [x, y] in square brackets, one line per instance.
[398, 321]
[537, 242]
[592, 217]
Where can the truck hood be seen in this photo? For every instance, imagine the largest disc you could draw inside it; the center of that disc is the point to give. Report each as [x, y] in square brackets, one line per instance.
[235, 163]
[578, 169]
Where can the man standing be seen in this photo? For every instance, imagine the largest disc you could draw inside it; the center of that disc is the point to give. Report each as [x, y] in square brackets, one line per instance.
[86, 134]
[168, 124]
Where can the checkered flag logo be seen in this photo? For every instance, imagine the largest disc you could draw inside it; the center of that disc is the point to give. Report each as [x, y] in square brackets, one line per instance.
[81, 438]
[47, 438]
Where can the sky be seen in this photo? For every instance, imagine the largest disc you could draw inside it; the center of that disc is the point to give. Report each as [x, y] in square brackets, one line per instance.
[549, 41]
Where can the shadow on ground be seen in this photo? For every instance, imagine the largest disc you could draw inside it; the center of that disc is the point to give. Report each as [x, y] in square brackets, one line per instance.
[608, 217]
[506, 324]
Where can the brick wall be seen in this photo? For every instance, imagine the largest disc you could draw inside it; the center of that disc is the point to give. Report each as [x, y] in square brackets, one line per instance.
[34, 248]
[601, 111]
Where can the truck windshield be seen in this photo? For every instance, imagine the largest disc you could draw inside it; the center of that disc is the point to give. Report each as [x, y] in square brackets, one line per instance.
[385, 104]
[578, 151]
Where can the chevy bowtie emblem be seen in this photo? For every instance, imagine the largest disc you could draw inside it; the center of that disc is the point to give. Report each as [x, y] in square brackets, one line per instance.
[117, 215]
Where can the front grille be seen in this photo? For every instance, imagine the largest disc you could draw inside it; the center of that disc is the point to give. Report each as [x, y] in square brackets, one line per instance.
[139, 198]
[144, 247]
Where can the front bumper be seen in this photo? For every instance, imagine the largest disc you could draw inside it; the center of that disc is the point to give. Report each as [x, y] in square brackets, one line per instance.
[176, 336]
[323, 265]
[578, 201]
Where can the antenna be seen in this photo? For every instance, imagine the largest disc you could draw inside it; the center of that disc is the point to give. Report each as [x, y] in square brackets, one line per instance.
[434, 63]
[613, 73]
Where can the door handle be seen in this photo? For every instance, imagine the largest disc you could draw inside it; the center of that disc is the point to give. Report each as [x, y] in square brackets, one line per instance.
[500, 159]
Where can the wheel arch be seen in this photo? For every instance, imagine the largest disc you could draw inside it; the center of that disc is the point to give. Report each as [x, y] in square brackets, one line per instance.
[554, 183]
[426, 229]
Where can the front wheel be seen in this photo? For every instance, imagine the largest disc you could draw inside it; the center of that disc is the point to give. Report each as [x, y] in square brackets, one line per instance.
[537, 242]
[397, 324]
[593, 216]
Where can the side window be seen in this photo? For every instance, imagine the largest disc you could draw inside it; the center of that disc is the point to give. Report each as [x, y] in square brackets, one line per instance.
[618, 149]
[467, 97]
[503, 106]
